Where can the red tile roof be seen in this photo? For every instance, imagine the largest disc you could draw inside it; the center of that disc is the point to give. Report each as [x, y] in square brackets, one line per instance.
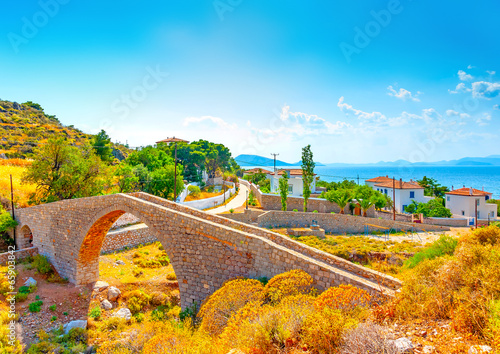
[258, 170]
[172, 140]
[293, 172]
[467, 192]
[400, 185]
[379, 179]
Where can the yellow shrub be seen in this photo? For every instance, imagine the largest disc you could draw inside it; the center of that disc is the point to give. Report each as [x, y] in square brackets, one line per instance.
[485, 235]
[5, 346]
[223, 303]
[137, 300]
[289, 283]
[346, 298]
[323, 330]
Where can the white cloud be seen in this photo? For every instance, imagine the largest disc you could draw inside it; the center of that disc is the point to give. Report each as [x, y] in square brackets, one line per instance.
[470, 67]
[481, 121]
[484, 89]
[463, 76]
[403, 94]
[347, 108]
[452, 113]
[460, 88]
[491, 72]
[496, 106]
[214, 121]
[430, 114]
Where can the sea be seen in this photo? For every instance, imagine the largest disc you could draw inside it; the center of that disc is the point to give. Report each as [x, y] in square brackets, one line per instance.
[479, 177]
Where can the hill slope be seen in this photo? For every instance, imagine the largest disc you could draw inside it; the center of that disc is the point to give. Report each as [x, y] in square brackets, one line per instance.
[24, 126]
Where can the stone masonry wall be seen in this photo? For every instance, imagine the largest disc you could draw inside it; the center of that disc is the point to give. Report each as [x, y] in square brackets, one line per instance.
[119, 239]
[205, 250]
[273, 202]
[453, 222]
[19, 254]
[337, 223]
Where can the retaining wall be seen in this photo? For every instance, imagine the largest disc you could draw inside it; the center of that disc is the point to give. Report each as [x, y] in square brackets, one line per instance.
[273, 202]
[337, 223]
[20, 254]
[211, 202]
[453, 222]
[117, 240]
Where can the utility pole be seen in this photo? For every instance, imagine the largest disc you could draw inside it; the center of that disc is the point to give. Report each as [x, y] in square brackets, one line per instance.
[175, 174]
[275, 161]
[475, 205]
[358, 179]
[12, 205]
[394, 198]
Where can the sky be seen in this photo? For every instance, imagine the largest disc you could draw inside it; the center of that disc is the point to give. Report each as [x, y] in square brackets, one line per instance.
[361, 82]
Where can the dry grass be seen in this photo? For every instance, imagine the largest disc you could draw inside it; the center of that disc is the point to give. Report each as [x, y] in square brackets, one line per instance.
[202, 195]
[16, 168]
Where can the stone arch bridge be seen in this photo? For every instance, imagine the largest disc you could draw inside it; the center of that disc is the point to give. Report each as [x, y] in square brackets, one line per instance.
[205, 250]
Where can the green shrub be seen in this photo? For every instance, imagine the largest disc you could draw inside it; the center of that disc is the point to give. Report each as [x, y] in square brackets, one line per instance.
[445, 245]
[24, 290]
[65, 313]
[231, 210]
[53, 318]
[42, 264]
[35, 306]
[20, 297]
[52, 307]
[194, 191]
[295, 210]
[139, 317]
[137, 300]
[95, 313]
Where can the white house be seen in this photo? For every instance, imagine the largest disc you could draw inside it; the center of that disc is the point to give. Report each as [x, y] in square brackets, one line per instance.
[404, 192]
[462, 202]
[295, 183]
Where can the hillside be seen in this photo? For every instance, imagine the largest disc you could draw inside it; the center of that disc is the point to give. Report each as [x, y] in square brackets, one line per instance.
[256, 160]
[24, 126]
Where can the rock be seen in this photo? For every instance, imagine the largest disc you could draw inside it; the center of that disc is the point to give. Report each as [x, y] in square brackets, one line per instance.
[120, 262]
[106, 305]
[100, 285]
[123, 313]
[428, 349]
[30, 282]
[16, 105]
[478, 349]
[113, 293]
[75, 324]
[404, 345]
[3, 156]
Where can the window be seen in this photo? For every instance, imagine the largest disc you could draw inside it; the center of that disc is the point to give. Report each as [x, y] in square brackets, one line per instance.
[290, 188]
[448, 198]
[463, 212]
[478, 202]
[487, 197]
[412, 194]
[385, 191]
[492, 214]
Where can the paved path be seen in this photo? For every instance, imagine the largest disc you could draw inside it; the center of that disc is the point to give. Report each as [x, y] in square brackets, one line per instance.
[236, 202]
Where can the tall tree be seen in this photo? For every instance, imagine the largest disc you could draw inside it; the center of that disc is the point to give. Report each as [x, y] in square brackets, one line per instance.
[307, 173]
[283, 186]
[127, 180]
[162, 182]
[432, 188]
[61, 171]
[101, 143]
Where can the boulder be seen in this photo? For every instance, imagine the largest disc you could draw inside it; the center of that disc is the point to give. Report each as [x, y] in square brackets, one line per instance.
[3, 156]
[478, 349]
[106, 305]
[75, 324]
[120, 262]
[404, 345]
[100, 285]
[123, 313]
[113, 293]
[30, 282]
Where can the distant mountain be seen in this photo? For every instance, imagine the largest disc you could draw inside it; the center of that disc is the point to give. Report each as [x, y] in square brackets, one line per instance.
[256, 160]
[492, 160]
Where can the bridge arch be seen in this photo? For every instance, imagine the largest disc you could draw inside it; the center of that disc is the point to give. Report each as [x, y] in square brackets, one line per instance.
[94, 233]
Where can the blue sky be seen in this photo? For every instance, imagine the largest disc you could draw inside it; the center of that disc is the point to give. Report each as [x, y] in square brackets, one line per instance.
[381, 80]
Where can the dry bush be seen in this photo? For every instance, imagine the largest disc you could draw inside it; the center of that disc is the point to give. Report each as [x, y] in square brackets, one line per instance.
[289, 283]
[346, 298]
[222, 304]
[137, 300]
[323, 330]
[367, 338]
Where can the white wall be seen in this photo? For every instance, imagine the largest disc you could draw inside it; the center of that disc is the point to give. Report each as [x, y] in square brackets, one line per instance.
[211, 202]
[296, 183]
[459, 203]
[402, 196]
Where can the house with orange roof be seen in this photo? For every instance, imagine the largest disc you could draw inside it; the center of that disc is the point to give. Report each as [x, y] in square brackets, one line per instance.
[463, 202]
[295, 182]
[403, 193]
[258, 170]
